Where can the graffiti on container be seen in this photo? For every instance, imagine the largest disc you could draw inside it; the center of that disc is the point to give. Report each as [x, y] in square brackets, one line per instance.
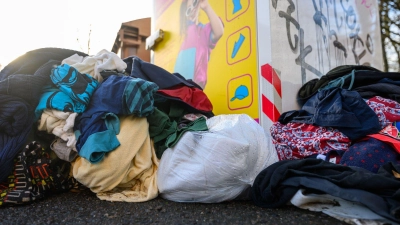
[331, 50]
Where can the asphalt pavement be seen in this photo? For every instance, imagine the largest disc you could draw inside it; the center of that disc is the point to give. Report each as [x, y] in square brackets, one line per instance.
[83, 207]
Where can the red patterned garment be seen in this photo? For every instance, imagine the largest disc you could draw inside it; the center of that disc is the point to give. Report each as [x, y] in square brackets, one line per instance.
[299, 140]
[387, 110]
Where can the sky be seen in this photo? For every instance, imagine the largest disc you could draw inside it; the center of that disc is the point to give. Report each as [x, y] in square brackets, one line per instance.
[26, 25]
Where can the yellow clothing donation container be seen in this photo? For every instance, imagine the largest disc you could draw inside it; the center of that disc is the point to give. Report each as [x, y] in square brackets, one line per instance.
[252, 56]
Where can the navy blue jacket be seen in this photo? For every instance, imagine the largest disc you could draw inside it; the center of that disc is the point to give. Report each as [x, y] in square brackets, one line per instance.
[339, 108]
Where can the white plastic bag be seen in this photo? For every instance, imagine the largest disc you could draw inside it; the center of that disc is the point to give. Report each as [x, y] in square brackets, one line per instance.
[216, 165]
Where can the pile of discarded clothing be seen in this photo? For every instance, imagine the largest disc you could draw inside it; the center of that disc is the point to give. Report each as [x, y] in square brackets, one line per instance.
[125, 128]
[340, 152]
[131, 131]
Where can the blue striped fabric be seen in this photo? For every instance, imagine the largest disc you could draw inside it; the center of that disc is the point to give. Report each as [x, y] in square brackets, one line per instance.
[138, 96]
[116, 95]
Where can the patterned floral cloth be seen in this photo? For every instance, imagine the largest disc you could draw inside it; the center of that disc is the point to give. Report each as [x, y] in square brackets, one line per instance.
[387, 110]
[298, 140]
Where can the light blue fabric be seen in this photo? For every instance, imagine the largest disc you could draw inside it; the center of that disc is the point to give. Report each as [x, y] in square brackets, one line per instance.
[53, 98]
[340, 81]
[79, 86]
[98, 144]
[72, 94]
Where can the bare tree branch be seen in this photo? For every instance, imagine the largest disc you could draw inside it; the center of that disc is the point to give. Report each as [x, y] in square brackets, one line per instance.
[389, 12]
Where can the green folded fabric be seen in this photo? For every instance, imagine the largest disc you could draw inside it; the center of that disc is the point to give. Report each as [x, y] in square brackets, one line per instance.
[196, 125]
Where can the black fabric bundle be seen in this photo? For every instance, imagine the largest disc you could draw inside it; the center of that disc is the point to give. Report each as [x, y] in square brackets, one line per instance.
[380, 192]
[21, 83]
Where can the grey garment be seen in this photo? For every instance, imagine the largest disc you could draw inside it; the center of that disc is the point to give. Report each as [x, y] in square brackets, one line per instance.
[384, 206]
[347, 211]
[64, 152]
